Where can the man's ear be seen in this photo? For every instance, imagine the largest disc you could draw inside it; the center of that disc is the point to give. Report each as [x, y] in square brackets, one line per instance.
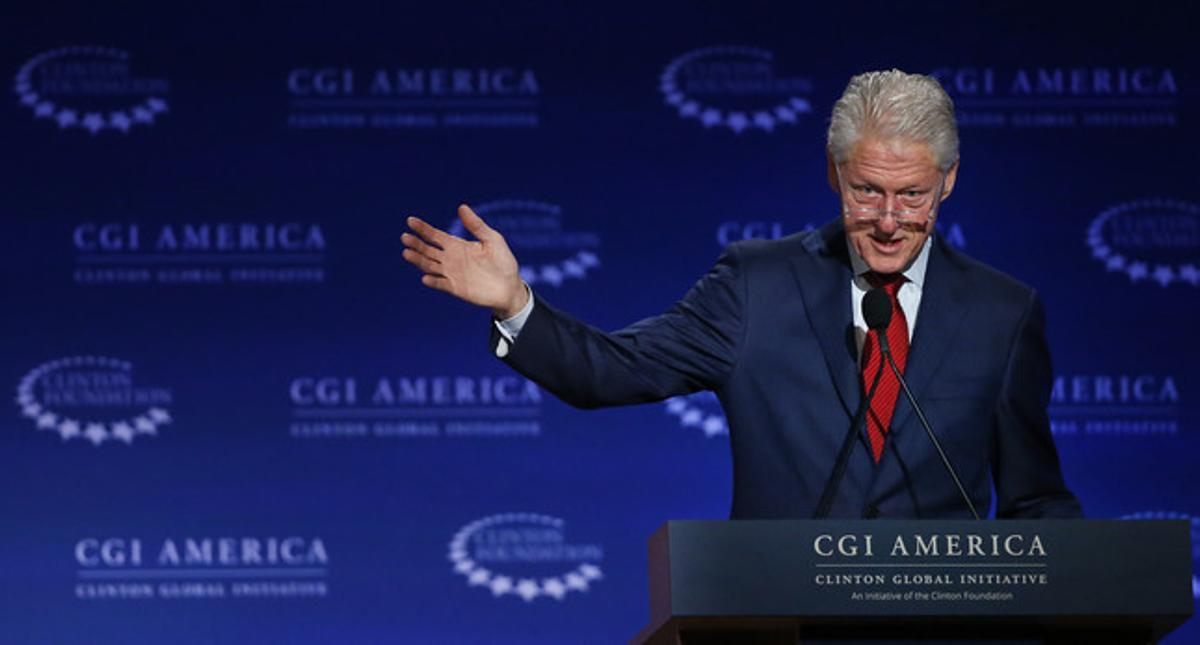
[831, 172]
[951, 177]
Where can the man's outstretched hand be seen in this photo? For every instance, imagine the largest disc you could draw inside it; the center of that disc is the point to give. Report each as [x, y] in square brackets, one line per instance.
[482, 273]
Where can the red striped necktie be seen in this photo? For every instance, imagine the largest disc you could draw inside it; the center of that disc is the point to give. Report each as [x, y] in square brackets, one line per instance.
[883, 404]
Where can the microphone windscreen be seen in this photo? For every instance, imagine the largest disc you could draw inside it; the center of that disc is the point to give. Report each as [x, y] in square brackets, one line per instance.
[877, 308]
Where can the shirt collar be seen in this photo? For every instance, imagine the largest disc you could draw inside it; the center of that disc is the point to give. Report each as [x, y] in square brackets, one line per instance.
[915, 271]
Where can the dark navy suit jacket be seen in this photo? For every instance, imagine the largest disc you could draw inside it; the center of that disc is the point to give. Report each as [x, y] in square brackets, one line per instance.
[770, 330]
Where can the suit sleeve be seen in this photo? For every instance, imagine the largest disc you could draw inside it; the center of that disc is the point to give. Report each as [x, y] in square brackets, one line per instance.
[693, 346]
[1028, 476]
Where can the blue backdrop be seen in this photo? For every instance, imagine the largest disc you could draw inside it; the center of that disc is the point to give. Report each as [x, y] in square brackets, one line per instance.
[237, 415]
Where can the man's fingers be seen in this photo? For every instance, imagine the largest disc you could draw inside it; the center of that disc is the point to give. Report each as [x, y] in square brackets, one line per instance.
[475, 223]
[420, 246]
[422, 262]
[429, 232]
[436, 282]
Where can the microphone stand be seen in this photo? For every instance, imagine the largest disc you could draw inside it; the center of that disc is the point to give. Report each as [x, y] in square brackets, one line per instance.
[843, 460]
[887, 353]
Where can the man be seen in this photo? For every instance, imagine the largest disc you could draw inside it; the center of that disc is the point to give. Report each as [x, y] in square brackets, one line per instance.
[776, 329]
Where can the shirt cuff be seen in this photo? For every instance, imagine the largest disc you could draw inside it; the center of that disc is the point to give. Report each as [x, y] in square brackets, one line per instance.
[510, 328]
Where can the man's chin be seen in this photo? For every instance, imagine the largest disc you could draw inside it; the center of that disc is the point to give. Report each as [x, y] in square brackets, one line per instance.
[886, 264]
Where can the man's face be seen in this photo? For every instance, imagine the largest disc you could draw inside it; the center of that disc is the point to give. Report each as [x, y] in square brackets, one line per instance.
[891, 174]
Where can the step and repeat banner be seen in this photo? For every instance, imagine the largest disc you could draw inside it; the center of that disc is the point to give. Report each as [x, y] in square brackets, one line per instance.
[235, 415]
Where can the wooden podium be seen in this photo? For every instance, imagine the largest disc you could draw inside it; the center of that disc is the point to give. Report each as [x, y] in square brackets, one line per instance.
[1028, 581]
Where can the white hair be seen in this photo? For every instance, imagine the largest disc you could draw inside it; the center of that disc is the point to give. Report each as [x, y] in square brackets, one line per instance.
[894, 105]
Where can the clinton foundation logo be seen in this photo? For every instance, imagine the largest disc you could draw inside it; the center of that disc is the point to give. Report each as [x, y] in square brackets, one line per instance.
[200, 568]
[411, 97]
[198, 253]
[550, 254]
[92, 398]
[1156, 241]
[1062, 97]
[1193, 524]
[734, 87]
[90, 88]
[1114, 404]
[700, 412]
[414, 406]
[525, 555]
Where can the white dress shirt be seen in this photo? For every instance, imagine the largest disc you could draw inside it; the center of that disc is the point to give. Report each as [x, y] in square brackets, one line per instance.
[511, 327]
[909, 294]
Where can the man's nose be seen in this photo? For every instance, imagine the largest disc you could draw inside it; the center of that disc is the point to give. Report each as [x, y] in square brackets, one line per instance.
[887, 222]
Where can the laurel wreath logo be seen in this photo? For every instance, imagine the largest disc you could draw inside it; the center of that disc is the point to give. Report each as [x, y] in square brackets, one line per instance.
[67, 116]
[785, 112]
[578, 579]
[691, 412]
[574, 267]
[1139, 269]
[68, 427]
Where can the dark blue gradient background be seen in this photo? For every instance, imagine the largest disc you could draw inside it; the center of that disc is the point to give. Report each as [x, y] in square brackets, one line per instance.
[621, 163]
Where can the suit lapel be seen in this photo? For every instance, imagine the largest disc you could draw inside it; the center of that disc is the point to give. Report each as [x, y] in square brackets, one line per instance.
[945, 300]
[944, 304]
[824, 275]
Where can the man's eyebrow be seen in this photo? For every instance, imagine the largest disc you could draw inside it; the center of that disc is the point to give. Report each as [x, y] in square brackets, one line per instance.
[870, 184]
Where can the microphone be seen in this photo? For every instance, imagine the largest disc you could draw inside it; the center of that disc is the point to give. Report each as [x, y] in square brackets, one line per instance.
[870, 303]
[877, 310]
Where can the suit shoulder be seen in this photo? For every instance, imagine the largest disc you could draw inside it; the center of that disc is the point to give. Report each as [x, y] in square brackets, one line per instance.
[765, 251]
[989, 280]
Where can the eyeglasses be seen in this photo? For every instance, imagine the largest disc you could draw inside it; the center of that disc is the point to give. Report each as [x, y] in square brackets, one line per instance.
[866, 204]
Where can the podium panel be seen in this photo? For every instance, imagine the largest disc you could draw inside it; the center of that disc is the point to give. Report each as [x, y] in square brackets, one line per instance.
[794, 581]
